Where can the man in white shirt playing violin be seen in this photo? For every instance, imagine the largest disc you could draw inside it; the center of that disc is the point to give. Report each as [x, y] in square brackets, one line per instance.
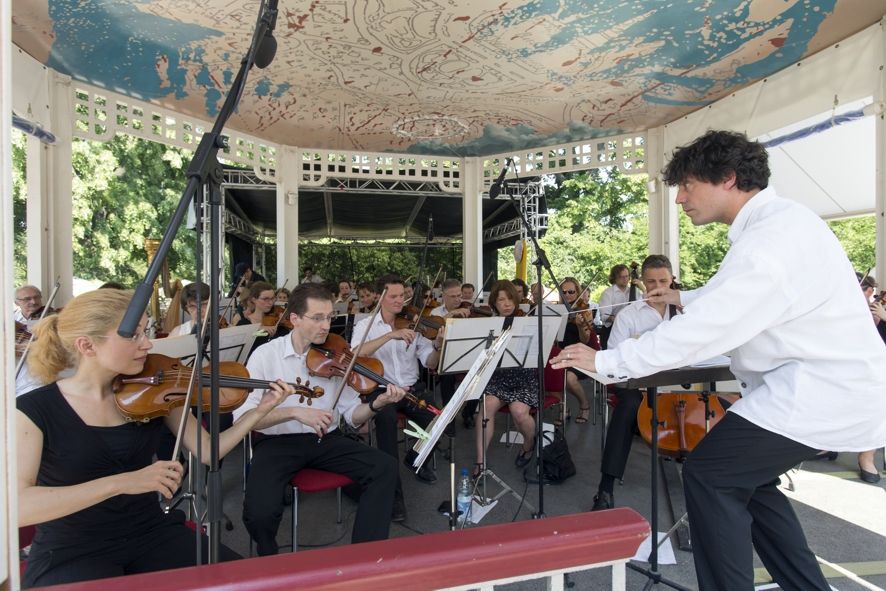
[785, 305]
[303, 433]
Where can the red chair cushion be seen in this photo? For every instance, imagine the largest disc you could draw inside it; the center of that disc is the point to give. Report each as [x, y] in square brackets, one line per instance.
[312, 480]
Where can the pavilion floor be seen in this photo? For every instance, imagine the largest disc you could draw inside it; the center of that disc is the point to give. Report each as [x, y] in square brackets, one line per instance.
[844, 519]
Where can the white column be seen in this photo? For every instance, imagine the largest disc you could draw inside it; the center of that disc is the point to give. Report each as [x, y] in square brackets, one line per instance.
[880, 191]
[37, 239]
[664, 230]
[57, 232]
[8, 505]
[288, 172]
[472, 222]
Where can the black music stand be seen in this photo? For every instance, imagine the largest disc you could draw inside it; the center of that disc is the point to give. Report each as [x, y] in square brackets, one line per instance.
[684, 375]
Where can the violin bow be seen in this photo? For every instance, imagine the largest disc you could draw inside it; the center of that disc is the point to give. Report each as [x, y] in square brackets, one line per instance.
[424, 300]
[198, 358]
[355, 353]
[283, 313]
[21, 361]
[482, 288]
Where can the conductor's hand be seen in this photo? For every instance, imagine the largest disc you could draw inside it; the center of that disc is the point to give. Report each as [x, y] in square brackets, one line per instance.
[404, 334]
[664, 295]
[878, 311]
[392, 395]
[163, 477]
[577, 355]
[316, 419]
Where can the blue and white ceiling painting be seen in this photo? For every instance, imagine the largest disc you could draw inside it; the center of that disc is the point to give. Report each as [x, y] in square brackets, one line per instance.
[461, 77]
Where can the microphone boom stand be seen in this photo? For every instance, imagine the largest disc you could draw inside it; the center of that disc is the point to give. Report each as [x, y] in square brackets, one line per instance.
[540, 263]
[204, 172]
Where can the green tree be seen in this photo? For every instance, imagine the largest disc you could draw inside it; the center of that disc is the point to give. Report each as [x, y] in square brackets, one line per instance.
[597, 220]
[19, 208]
[702, 249]
[124, 191]
[858, 237]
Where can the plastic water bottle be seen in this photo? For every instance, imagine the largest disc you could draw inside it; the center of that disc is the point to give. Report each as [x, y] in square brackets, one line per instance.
[463, 494]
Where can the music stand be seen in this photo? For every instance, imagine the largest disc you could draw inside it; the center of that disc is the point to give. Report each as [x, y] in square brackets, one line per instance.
[683, 375]
[478, 375]
[466, 339]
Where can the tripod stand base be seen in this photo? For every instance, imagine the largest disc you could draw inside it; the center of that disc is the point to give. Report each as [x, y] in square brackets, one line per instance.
[505, 490]
[655, 578]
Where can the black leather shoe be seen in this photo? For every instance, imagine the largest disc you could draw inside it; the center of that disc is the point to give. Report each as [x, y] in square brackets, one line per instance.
[426, 474]
[869, 477]
[603, 500]
[399, 512]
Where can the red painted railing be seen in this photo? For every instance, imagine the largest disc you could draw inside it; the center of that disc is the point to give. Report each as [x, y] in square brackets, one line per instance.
[470, 558]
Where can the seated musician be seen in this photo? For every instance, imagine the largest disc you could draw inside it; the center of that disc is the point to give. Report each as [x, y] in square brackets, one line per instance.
[578, 330]
[618, 292]
[344, 296]
[633, 320]
[365, 298]
[467, 292]
[28, 302]
[281, 296]
[867, 468]
[517, 387]
[257, 301]
[452, 299]
[522, 290]
[86, 476]
[288, 439]
[243, 277]
[189, 299]
[28, 305]
[400, 351]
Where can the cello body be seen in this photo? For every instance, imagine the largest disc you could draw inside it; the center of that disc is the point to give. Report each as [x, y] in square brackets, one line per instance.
[682, 420]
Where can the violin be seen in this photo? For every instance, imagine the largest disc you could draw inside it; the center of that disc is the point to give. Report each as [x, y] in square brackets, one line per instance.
[483, 311]
[22, 337]
[43, 311]
[163, 382]
[683, 421]
[427, 326]
[331, 359]
[276, 317]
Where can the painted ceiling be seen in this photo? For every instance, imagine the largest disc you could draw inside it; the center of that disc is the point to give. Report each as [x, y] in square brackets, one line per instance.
[459, 77]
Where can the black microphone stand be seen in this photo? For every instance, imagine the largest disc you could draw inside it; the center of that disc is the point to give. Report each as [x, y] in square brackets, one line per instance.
[541, 263]
[205, 174]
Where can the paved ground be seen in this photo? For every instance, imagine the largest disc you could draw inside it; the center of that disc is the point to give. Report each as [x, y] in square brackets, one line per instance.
[844, 519]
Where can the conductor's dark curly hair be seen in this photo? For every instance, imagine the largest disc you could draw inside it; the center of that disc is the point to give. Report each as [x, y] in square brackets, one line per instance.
[713, 157]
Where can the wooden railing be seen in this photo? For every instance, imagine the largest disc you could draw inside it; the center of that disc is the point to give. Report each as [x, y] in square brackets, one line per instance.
[476, 558]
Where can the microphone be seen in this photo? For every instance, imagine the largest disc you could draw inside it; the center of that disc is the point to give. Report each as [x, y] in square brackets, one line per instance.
[431, 228]
[495, 188]
[267, 47]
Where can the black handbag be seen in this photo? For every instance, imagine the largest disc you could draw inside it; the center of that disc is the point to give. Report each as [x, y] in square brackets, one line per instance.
[557, 461]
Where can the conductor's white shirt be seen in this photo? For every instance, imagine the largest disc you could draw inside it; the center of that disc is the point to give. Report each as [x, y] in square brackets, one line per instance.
[786, 306]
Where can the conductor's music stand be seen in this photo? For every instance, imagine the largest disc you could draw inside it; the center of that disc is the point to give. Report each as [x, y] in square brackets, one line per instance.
[684, 375]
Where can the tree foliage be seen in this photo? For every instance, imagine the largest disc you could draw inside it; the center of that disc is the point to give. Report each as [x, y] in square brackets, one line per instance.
[597, 220]
[125, 191]
[858, 237]
[19, 208]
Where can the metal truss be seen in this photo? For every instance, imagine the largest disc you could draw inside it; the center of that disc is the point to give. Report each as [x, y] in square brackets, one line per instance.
[528, 195]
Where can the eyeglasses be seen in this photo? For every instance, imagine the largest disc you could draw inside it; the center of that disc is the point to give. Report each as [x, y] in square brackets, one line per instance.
[136, 338]
[35, 298]
[569, 291]
[318, 318]
[270, 299]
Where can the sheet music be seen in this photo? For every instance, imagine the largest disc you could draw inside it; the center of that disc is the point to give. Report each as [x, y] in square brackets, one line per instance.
[470, 389]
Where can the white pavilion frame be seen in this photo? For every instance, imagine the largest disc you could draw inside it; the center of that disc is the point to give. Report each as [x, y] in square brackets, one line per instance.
[848, 71]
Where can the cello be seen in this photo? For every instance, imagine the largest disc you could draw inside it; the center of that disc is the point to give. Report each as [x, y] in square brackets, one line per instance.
[684, 419]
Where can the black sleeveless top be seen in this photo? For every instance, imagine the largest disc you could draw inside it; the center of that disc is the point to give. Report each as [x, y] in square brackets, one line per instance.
[73, 453]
